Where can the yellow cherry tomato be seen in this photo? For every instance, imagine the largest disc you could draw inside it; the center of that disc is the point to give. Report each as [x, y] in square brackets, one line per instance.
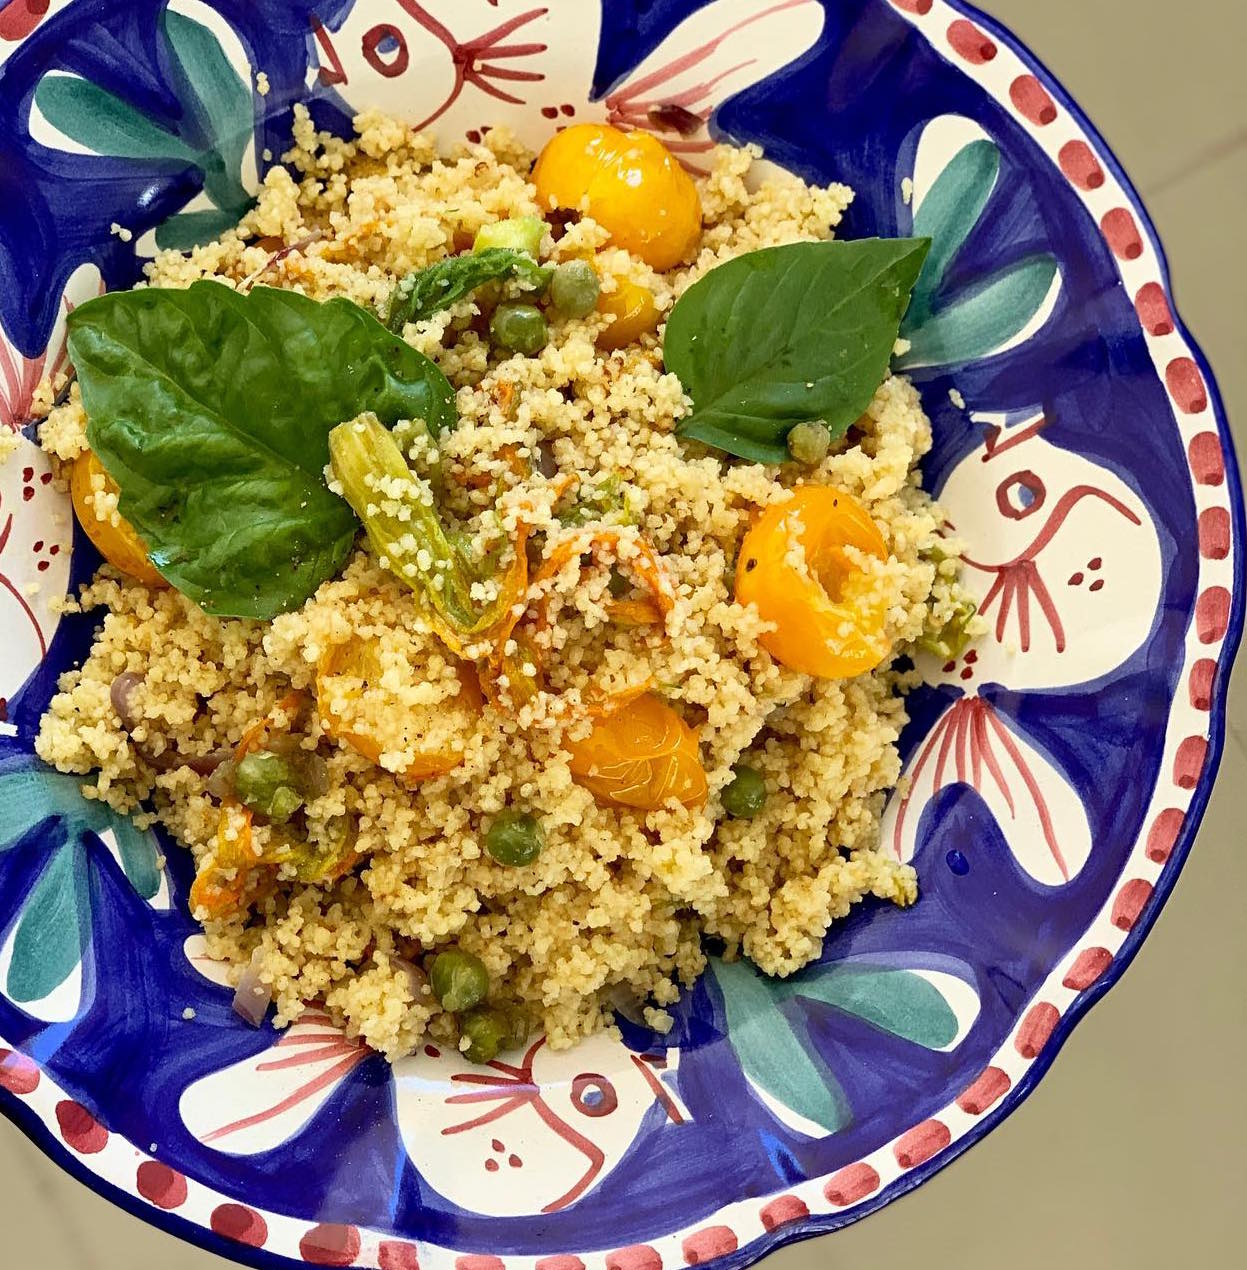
[793, 566]
[118, 543]
[635, 313]
[630, 183]
[641, 755]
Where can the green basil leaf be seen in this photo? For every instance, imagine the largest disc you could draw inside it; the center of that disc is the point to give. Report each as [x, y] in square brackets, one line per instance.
[788, 334]
[212, 409]
[420, 295]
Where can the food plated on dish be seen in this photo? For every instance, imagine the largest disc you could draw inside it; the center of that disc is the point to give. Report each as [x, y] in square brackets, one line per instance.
[323, 783]
[510, 571]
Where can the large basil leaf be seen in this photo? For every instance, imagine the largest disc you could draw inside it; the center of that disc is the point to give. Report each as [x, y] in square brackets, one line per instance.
[211, 409]
[420, 295]
[788, 334]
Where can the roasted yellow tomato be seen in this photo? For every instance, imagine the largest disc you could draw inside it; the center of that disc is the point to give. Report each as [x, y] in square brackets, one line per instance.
[793, 566]
[630, 183]
[118, 543]
[351, 670]
[641, 755]
[635, 313]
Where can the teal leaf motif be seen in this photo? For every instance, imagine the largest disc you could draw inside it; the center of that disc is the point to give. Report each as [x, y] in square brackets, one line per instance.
[139, 857]
[984, 317]
[217, 98]
[770, 1053]
[53, 928]
[224, 102]
[773, 1055]
[103, 123]
[896, 1001]
[949, 212]
[55, 922]
[185, 230]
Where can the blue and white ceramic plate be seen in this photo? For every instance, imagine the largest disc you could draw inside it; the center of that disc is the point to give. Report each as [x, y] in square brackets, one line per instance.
[1056, 772]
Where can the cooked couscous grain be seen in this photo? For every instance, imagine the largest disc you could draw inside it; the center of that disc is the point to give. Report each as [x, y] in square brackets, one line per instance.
[615, 901]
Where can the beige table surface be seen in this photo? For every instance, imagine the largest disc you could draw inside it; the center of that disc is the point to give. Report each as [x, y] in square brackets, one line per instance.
[1132, 1153]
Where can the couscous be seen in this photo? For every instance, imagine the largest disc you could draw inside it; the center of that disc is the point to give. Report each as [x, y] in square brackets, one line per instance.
[616, 667]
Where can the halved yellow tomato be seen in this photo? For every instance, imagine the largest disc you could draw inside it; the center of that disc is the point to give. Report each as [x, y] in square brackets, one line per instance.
[117, 543]
[828, 620]
[641, 755]
[635, 313]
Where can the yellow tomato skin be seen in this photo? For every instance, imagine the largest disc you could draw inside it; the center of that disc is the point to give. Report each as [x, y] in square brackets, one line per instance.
[635, 313]
[827, 623]
[118, 543]
[632, 185]
[640, 756]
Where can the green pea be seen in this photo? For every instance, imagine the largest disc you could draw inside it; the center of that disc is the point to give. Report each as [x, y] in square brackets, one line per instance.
[459, 980]
[269, 784]
[745, 796]
[486, 1032]
[520, 233]
[954, 638]
[808, 443]
[515, 839]
[575, 288]
[520, 328]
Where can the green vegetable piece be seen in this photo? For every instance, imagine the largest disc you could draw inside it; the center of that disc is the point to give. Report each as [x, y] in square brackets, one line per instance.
[575, 288]
[606, 500]
[486, 1032]
[954, 637]
[269, 784]
[515, 839]
[809, 443]
[745, 795]
[211, 409]
[519, 1027]
[322, 856]
[459, 980]
[521, 328]
[779, 336]
[520, 233]
[364, 456]
[422, 294]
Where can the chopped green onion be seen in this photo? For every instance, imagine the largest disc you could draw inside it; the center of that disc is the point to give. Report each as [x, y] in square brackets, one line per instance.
[520, 233]
[268, 784]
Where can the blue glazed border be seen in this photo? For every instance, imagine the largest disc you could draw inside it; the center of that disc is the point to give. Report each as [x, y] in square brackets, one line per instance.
[29, 1122]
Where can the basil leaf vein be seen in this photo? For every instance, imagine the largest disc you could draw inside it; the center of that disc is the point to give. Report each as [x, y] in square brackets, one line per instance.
[788, 334]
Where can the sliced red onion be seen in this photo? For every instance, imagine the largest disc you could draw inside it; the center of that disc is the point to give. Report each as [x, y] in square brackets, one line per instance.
[417, 980]
[315, 776]
[625, 1003]
[221, 782]
[278, 256]
[252, 997]
[672, 118]
[206, 764]
[546, 463]
[121, 694]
